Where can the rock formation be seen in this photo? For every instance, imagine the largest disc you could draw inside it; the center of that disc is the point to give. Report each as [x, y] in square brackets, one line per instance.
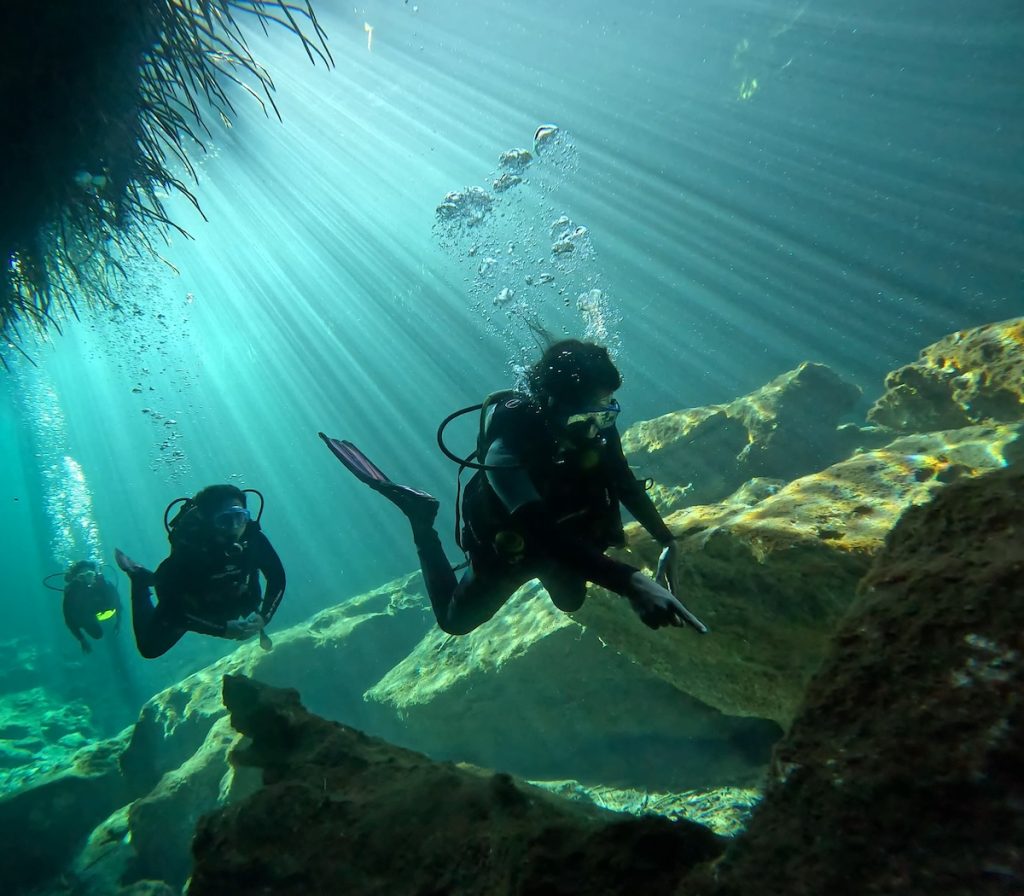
[971, 377]
[595, 697]
[342, 812]
[785, 429]
[904, 772]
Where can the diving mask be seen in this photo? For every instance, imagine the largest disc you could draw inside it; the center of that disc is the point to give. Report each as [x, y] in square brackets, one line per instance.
[232, 518]
[601, 416]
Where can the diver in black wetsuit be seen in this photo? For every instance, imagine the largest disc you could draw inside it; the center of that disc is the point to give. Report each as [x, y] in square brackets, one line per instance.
[210, 583]
[544, 504]
[89, 599]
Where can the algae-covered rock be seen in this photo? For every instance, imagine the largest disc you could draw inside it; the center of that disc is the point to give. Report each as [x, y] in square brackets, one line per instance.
[39, 733]
[970, 377]
[161, 824]
[534, 693]
[43, 824]
[725, 810]
[103, 861]
[772, 580]
[904, 772]
[344, 813]
[785, 429]
[336, 656]
[21, 665]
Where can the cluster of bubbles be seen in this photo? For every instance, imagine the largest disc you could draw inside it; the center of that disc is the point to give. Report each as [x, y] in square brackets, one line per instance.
[147, 340]
[67, 498]
[528, 264]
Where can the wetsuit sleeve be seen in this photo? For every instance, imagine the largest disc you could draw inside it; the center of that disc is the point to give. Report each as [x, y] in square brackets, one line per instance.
[515, 489]
[633, 495]
[273, 570]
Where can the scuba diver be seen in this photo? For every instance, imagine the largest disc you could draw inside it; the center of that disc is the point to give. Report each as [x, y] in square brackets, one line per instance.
[210, 583]
[89, 599]
[543, 503]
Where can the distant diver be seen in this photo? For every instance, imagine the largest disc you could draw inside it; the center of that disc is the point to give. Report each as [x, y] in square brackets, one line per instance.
[90, 599]
[543, 503]
[210, 583]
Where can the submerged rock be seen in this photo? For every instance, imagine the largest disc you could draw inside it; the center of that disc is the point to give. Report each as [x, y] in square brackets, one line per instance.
[904, 772]
[535, 693]
[784, 430]
[773, 580]
[44, 824]
[343, 812]
[966, 378]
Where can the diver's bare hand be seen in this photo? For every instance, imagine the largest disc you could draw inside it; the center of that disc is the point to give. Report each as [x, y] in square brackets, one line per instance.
[243, 629]
[657, 606]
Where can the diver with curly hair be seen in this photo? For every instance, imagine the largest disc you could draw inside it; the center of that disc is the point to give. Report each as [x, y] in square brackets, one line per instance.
[544, 503]
[90, 599]
[210, 583]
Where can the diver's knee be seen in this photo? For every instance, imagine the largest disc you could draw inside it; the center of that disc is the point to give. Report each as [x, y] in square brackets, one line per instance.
[456, 626]
[569, 602]
[150, 651]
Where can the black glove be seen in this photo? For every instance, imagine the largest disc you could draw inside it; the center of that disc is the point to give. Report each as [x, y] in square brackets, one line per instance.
[657, 606]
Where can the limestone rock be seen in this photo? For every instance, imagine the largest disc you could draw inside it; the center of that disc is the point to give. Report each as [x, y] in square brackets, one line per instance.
[21, 665]
[904, 773]
[103, 862]
[318, 655]
[786, 429]
[534, 693]
[725, 810]
[172, 763]
[342, 812]
[773, 580]
[966, 378]
[43, 824]
[39, 733]
[162, 823]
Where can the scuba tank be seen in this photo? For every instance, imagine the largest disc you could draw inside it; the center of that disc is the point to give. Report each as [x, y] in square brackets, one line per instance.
[508, 544]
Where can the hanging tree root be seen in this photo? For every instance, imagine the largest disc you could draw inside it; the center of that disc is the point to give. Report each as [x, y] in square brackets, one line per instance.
[104, 100]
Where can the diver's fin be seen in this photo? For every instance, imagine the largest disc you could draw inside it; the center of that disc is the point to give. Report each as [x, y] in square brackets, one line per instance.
[419, 507]
[354, 460]
[124, 562]
[133, 569]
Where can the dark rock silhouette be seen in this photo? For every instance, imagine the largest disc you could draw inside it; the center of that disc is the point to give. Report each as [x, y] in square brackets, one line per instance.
[341, 812]
[904, 772]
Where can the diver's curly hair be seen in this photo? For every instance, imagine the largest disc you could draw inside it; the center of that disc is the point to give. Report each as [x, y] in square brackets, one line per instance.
[210, 499]
[78, 568]
[571, 371]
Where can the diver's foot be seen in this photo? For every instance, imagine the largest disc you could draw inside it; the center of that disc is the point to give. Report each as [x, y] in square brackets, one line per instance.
[419, 507]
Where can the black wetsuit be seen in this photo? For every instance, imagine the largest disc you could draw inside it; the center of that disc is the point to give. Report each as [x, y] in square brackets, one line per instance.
[83, 603]
[549, 512]
[200, 587]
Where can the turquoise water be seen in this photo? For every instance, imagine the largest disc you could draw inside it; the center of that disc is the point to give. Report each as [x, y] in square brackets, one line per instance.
[762, 184]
